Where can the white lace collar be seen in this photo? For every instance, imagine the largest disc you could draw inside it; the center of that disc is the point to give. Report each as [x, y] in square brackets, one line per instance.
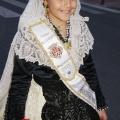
[25, 45]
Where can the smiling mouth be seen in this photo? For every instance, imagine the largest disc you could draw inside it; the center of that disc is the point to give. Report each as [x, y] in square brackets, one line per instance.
[65, 11]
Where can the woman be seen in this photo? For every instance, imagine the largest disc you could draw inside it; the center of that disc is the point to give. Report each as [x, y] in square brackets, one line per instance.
[50, 66]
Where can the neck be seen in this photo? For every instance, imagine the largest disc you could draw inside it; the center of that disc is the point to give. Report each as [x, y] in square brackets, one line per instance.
[57, 22]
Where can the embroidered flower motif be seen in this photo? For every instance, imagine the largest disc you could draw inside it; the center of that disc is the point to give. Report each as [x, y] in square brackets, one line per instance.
[56, 51]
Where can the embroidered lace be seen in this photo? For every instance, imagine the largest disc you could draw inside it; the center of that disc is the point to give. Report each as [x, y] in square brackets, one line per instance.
[26, 47]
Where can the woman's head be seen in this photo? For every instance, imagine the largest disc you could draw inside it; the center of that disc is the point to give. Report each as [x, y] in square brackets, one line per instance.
[60, 10]
[35, 9]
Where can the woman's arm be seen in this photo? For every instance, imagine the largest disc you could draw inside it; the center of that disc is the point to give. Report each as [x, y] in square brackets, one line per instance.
[89, 72]
[21, 79]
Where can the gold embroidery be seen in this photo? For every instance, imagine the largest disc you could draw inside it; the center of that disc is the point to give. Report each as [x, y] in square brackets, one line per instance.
[85, 93]
[68, 45]
[62, 63]
[82, 96]
[75, 68]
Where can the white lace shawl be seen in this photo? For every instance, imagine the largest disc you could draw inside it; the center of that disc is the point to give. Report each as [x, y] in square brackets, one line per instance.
[24, 45]
[27, 48]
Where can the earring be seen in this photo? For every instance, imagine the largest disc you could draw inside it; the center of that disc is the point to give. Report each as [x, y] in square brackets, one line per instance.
[45, 4]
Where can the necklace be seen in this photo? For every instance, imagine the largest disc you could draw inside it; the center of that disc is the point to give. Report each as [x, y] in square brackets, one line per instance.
[58, 27]
[67, 43]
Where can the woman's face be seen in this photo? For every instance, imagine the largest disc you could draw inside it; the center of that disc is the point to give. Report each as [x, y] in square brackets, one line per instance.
[61, 10]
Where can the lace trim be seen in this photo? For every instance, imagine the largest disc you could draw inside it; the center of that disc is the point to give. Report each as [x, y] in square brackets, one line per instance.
[5, 82]
[82, 39]
[35, 102]
[27, 48]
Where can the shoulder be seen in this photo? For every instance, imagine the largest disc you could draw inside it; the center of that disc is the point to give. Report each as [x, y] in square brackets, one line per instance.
[82, 33]
[79, 25]
[24, 44]
[82, 39]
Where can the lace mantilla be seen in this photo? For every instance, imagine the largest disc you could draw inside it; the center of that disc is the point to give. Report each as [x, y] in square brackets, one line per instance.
[5, 82]
[26, 47]
[35, 102]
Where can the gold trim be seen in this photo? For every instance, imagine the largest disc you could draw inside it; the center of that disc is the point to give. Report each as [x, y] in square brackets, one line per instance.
[85, 82]
[75, 72]
[43, 21]
[81, 96]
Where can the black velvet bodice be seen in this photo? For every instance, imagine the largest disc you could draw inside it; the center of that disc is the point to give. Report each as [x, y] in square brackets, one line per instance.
[61, 103]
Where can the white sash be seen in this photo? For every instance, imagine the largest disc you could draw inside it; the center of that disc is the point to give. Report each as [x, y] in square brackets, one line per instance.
[62, 62]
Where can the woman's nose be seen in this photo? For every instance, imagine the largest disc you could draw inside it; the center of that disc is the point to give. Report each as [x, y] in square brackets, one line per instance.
[68, 3]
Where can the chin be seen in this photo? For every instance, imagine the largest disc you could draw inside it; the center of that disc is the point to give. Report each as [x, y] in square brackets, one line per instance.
[65, 19]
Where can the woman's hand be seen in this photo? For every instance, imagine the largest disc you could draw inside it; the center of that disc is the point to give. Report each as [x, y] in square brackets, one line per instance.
[103, 115]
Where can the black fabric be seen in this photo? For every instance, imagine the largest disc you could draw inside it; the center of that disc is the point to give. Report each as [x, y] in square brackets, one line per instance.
[21, 79]
[89, 72]
[61, 104]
